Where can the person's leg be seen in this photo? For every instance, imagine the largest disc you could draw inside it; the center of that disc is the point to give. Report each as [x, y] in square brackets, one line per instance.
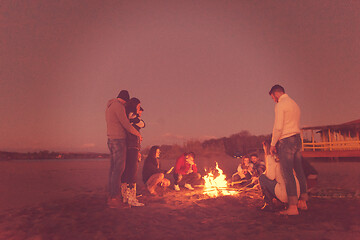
[118, 157]
[298, 168]
[177, 178]
[153, 181]
[111, 165]
[165, 183]
[268, 189]
[131, 166]
[287, 149]
[192, 178]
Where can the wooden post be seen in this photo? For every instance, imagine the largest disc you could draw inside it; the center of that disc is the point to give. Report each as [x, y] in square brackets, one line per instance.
[313, 140]
[330, 140]
[302, 140]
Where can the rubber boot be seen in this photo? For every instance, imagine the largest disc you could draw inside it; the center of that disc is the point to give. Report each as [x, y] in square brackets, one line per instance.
[132, 201]
[124, 194]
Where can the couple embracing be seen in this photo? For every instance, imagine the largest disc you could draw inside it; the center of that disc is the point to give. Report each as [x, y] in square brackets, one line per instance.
[123, 119]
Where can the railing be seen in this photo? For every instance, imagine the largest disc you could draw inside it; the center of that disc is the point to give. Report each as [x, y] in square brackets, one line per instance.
[331, 146]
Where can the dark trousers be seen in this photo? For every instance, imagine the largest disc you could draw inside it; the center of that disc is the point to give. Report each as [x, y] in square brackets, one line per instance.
[191, 178]
[131, 167]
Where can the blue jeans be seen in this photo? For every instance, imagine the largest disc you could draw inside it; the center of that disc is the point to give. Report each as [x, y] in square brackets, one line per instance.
[117, 149]
[267, 185]
[290, 159]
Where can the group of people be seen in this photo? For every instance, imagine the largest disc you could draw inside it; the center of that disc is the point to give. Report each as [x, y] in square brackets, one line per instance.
[284, 178]
[124, 122]
[123, 119]
[249, 169]
[185, 172]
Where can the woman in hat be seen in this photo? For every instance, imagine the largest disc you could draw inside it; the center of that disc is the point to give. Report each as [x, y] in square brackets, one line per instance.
[133, 156]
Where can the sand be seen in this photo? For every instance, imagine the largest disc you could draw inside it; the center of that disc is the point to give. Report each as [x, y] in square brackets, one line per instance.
[66, 199]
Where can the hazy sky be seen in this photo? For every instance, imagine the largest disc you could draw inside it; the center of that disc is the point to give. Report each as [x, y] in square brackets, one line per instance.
[201, 69]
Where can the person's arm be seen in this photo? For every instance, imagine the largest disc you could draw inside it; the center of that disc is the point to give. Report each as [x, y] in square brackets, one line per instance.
[179, 163]
[278, 127]
[194, 168]
[270, 167]
[135, 120]
[239, 169]
[126, 123]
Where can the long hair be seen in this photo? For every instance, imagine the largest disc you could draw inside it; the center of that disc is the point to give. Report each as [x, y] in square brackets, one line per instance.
[152, 153]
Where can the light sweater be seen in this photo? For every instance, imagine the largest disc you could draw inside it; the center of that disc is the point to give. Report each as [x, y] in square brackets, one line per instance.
[287, 119]
[116, 120]
[273, 172]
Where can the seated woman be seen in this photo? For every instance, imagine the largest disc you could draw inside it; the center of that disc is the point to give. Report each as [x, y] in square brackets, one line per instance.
[244, 172]
[153, 176]
[272, 182]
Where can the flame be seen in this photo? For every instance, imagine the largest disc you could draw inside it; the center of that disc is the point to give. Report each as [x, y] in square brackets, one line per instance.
[216, 186]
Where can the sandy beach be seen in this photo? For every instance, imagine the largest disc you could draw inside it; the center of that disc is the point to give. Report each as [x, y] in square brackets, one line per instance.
[66, 199]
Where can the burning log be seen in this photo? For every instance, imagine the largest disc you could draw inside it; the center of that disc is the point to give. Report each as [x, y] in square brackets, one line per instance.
[216, 186]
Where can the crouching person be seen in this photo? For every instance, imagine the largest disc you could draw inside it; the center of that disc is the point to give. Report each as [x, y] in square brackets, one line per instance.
[186, 172]
[272, 182]
[153, 176]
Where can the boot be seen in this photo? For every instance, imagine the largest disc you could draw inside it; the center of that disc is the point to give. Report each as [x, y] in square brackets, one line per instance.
[132, 201]
[124, 194]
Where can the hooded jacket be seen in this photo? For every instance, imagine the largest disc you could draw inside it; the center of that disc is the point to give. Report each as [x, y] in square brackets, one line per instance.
[117, 122]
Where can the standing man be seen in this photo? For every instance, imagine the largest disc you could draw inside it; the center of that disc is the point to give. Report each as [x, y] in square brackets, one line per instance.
[286, 136]
[117, 126]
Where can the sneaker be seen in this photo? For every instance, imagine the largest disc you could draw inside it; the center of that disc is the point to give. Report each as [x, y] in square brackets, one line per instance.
[188, 186]
[177, 188]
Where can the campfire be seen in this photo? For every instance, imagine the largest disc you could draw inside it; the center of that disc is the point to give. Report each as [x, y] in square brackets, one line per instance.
[217, 186]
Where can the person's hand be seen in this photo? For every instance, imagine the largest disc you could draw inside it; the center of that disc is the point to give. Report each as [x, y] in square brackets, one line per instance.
[273, 150]
[190, 161]
[170, 170]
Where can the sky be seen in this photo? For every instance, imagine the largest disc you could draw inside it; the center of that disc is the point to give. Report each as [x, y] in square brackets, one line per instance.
[201, 69]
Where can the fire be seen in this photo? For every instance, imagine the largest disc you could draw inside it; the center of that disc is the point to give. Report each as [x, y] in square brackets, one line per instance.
[216, 186]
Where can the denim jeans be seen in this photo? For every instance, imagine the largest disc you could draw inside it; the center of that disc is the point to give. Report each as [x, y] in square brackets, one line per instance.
[117, 149]
[267, 185]
[290, 159]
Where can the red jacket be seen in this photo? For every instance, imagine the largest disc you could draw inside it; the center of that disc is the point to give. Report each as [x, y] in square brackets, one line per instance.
[182, 167]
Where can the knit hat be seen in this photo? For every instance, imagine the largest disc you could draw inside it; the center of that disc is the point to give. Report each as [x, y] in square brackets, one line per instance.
[124, 94]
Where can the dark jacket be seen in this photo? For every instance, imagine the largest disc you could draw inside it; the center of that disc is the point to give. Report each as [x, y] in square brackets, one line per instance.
[151, 167]
[133, 141]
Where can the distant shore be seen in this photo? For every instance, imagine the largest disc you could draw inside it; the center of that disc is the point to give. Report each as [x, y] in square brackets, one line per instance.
[49, 155]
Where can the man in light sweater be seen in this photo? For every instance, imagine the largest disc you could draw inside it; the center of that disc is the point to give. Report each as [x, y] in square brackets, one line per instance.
[117, 126]
[286, 138]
